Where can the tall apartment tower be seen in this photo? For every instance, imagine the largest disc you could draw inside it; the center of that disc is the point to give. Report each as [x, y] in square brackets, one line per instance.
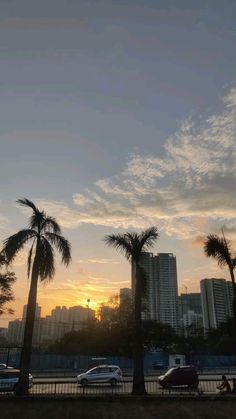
[161, 299]
[167, 289]
[217, 296]
[125, 298]
[190, 313]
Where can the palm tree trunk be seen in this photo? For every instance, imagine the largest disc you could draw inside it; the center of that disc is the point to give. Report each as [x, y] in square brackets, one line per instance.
[23, 385]
[138, 350]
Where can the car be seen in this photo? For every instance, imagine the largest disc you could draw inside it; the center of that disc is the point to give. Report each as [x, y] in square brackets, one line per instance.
[9, 379]
[180, 376]
[5, 366]
[101, 374]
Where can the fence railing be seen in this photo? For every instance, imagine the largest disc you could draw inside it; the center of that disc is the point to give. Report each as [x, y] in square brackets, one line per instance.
[72, 388]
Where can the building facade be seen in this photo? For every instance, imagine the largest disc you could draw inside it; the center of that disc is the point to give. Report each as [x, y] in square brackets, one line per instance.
[161, 291]
[216, 297]
[190, 313]
[62, 320]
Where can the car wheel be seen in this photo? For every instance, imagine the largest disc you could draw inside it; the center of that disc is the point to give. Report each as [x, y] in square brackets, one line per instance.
[113, 382]
[84, 382]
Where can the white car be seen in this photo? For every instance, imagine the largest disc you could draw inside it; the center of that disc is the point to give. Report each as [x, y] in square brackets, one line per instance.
[5, 366]
[101, 374]
[9, 379]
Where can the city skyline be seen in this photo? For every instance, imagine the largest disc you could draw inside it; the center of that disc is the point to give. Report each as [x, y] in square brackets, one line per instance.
[115, 117]
[196, 311]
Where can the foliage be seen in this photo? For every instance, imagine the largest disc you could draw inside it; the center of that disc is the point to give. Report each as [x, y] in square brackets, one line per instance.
[115, 339]
[132, 245]
[7, 280]
[44, 233]
[220, 249]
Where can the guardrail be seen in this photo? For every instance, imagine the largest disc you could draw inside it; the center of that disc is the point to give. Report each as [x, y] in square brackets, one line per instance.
[152, 387]
[71, 388]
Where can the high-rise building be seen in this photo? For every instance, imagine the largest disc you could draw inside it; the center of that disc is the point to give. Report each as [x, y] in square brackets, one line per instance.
[229, 297]
[216, 295]
[161, 296]
[190, 313]
[191, 301]
[167, 289]
[50, 328]
[125, 297]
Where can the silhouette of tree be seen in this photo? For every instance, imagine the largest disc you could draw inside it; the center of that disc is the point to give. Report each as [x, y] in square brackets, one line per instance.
[220, 249]
[44, 233]
[7, 280]
[132, 245]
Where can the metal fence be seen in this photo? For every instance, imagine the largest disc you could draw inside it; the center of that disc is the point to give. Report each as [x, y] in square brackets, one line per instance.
[71, 388]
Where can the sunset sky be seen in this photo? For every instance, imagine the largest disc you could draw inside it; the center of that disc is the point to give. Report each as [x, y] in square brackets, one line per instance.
[118, 115]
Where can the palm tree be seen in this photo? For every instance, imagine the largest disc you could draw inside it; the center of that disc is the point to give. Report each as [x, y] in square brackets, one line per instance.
[132, 245]
[220, 249]
[44, 233]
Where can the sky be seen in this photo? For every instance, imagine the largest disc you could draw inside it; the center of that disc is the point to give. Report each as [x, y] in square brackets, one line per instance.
[115, 116]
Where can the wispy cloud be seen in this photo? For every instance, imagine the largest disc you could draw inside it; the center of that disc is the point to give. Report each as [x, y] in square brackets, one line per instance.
[98, 261]
[193, 181]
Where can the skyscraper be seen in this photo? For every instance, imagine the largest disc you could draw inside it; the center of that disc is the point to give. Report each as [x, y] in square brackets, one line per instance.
[161, 298]
[190, 313]
[125, 296]
[216, 295]
[167, 289]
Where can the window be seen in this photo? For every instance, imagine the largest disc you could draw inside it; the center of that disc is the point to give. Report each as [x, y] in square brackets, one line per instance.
[104, 370]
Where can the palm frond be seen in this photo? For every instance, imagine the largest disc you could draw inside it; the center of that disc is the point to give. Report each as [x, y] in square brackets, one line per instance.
[120, 242]
[148, 238]
[37, 217]
[37, 220]
[46, 258]
[14, 243]
[2, 259]
[27, 203]
[50, 224]
[233, 263]
[62, 245]
[218, 248]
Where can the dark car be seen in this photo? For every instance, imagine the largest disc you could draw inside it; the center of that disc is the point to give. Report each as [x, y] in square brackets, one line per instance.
[180, 376]
[9, 379]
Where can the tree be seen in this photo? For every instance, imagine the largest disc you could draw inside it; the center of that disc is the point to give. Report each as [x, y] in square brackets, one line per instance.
[44, 233]
[7, 280]
[132, 245]
[220, 249]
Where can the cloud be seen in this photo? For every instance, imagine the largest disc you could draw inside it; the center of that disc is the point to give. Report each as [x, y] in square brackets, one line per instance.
[198, 241]
[99, 261]
[4, 223]
[186, 192]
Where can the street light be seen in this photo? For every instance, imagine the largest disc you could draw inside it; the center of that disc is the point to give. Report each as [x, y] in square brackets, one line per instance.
[88, 301]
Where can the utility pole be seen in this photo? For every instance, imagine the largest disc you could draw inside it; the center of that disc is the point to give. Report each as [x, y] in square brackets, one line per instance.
[88, 301]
